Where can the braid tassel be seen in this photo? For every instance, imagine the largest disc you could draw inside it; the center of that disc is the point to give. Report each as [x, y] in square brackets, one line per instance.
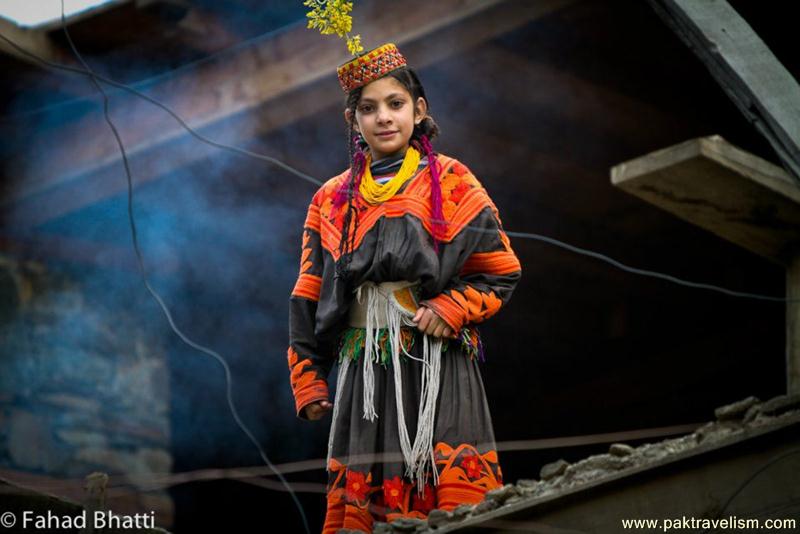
[438, 222]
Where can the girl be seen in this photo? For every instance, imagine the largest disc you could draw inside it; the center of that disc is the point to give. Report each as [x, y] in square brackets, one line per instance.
[401, 255]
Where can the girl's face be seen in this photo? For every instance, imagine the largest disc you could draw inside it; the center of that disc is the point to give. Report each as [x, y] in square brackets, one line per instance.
[386, 115]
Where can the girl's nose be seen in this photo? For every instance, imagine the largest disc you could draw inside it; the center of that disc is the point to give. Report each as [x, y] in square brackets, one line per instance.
[383, 115]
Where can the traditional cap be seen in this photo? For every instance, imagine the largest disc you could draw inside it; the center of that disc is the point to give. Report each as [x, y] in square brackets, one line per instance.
[370, 66]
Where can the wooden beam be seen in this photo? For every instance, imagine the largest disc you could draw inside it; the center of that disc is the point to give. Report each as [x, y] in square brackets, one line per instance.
[760, 86]
[717, 186]
[33, 40]
[255, 90]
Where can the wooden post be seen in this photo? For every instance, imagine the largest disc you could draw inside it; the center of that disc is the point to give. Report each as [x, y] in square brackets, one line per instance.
[793, 326]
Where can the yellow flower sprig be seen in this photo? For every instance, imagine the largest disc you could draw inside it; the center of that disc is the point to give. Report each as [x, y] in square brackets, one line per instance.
[332, 16]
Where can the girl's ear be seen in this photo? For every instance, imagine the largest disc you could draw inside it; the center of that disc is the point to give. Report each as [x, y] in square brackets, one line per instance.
[420, 110]
[348, 116]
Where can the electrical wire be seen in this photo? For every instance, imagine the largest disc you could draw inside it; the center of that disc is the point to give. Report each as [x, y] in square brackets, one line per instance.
[157, 103]
[157, 297]
[160, 76]
[747, 482]
[315, 181]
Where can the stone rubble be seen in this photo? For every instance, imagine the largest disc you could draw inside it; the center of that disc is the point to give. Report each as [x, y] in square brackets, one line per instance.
[748, 413]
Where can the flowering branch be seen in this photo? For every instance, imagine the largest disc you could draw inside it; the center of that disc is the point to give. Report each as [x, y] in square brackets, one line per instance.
[332, 16]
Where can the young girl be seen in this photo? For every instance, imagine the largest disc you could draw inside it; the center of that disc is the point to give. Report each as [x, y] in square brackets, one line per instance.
[401, 255]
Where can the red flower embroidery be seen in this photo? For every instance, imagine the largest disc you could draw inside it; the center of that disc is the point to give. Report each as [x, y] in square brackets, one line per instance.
[459, 169]
[356, 489]
[393, 492]
[471, 463]
[459, 191]
[424, 504]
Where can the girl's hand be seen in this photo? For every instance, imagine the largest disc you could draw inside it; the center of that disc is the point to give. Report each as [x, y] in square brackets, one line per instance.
[431, 324]
[317, 410]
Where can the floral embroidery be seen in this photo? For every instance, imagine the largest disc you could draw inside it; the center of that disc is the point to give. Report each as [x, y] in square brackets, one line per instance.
[465, 475]
[459, 169]
[357, 486]
[459, 191]
[455, 186]
[393, 492]
[427, 503]
[471, 464]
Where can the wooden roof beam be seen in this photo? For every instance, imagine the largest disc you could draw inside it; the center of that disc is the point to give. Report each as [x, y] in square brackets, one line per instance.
[249, 93]
[749, 73]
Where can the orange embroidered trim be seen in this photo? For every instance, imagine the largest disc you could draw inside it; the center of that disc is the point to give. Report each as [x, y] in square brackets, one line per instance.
[306, 386]
[308, 286]
[312, 218]
[355, 500]
[501, 262]
[466, 306]
[446, 308]
[479, 306]
[465, 475]
[349, 500]
[463, 198]
[305, 263]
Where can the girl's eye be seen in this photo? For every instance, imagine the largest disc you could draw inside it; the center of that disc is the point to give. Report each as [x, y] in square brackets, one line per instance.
[397, 103]
[366, 109]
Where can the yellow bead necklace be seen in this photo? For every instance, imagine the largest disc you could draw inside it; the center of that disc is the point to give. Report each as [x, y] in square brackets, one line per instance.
[375, 193]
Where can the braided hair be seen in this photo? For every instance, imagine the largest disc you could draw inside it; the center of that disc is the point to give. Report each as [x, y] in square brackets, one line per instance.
[348, 193]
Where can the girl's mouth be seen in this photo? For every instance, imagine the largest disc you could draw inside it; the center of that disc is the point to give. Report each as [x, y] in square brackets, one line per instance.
[386, 135]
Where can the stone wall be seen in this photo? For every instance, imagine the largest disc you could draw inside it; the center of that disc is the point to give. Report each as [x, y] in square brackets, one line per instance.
[83, 387]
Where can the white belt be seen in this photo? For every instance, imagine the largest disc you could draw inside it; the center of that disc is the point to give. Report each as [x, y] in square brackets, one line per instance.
[400, 295]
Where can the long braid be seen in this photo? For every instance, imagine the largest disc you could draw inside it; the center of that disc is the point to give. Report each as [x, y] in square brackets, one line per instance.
[348, 192]
[423, 144]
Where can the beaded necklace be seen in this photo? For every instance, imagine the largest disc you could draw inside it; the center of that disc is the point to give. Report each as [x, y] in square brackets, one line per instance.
[375, 193]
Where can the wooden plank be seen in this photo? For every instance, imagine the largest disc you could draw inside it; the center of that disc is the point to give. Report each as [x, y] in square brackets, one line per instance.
[35, 41]
[717, 186]
[760, 86]
[239, 80]
[277, 85]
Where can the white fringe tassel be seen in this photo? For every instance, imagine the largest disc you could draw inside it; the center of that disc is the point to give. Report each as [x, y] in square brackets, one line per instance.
[340, 379]
[418, 456]
[371, 351]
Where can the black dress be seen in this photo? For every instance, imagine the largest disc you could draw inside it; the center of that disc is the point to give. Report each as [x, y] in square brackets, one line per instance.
[473, 274]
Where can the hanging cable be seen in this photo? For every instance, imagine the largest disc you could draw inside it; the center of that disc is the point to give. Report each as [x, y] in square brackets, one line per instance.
[315, 181]
[747, 482]
[157, 297]
[158, 77]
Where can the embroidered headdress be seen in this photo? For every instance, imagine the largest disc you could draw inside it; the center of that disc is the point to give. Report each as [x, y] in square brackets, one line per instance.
[333, 16]
[370, 66]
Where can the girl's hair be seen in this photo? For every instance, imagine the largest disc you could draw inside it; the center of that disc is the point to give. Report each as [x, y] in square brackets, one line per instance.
[421, 137]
